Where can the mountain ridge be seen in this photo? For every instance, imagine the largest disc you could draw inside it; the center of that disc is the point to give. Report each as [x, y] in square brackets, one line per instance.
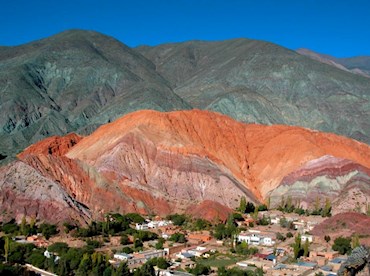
[155, 162]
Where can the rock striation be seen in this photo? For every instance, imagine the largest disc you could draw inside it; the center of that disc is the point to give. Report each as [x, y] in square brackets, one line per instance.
[183, 161]
[327, 176]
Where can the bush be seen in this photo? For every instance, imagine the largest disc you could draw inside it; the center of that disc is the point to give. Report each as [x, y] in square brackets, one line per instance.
[125, 240]
[58, 247]
[177, 219]
[342, 245]
[48, 230]
[178, 237]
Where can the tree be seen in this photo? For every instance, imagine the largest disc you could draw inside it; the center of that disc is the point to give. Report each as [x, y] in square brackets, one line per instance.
[125, 239]
[147, 270]
[159, 244]
[249, 208]
[200, 269]
[23, 225]
[297, 246]
[37, 259]
[306, 248]
[6, 248]
[262, 207]
[177, 219]
[85, 265]
[123, 270]
[326, 211]
[355, 241]
[59, 248]
[242, 205]
[327, 238]
[289, 235]
[48, 230]
[342, 245]
[280, 237]
[178, 237]
[201, 224]
[32, 224]
[138, 244]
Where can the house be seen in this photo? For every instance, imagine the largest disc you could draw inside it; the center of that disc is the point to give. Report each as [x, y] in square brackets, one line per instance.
[307, 237]
[256, 239]
[175, 248]
[38, 240]
[141, 226]
[198, 251]
[122, 256]
[199, 237]
[149, 254]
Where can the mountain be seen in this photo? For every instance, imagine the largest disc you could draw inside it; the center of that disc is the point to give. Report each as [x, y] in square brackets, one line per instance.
[73, 81]
[259, 82]
[154, 162]
[78, 80]
[356, 65]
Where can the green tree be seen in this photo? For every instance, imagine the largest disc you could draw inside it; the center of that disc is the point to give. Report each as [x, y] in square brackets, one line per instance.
[177, 219]
[125, 239]
[85, 265]
[342, 245]
[37, 259]
[48, 230]
[326, 211]
[297, 246]
[6, 248]
[355, 241]
[200, 269]
[249, 208]
[178, 237]
[306, 248]
[147, 270]
[138, 244]
[280, 237]
[201, 224]
[59, 248]
[242, 205]
[23, 225]
[123, 270]
[159, 244]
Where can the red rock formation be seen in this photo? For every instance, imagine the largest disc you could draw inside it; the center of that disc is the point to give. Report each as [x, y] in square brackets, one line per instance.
[344, 224]
[24, 192]
[210, 210]
[149, 161]
[257, 156]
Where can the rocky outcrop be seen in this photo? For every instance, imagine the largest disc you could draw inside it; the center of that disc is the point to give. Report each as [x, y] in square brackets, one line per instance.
[25, 192]
[210, 210]
[344, 224]
[327, 176]
[153, 162]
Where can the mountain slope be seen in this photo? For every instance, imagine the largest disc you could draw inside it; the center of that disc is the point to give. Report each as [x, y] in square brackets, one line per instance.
[352, 65]
[153, 162]
[73, 81]
[255, 81]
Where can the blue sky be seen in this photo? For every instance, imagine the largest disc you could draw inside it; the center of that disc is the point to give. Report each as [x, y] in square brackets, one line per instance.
[340, 28]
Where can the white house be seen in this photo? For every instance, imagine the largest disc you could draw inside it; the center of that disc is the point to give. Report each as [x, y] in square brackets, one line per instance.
[122, 256]
[306, 237]
[256, 239]
[143, 226]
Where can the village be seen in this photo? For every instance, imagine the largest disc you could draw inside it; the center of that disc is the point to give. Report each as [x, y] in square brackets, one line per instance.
[271, 242]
